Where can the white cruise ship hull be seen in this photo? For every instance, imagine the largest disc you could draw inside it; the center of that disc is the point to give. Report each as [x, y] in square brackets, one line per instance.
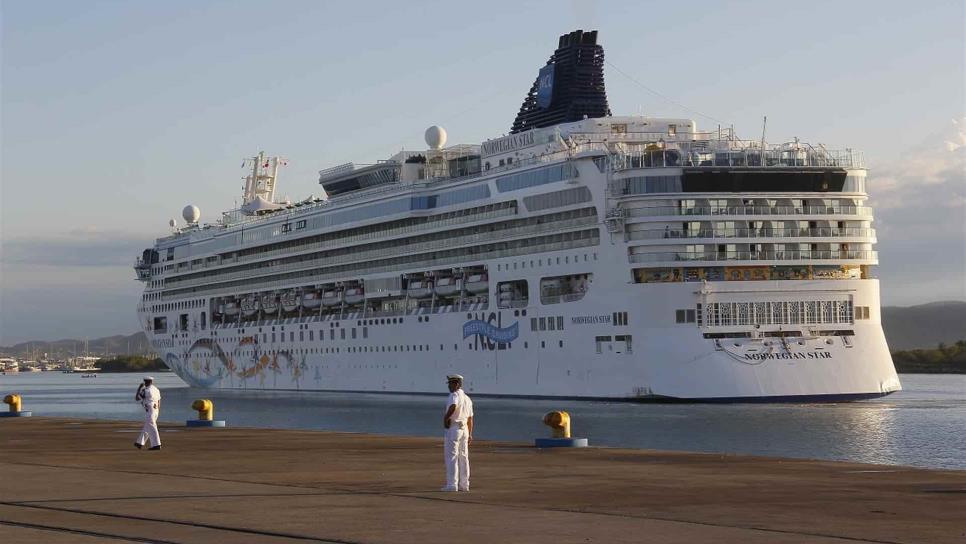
[666, 361]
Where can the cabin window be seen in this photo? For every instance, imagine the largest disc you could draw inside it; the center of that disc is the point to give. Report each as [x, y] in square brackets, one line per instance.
[160, 324]
[512, 294]
[603, 344]
[569, 288]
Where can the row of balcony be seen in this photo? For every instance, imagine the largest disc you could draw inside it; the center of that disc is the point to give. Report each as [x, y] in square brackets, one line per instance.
[290, 251]
[812, 232]
[316, 276]
[786, 255]
[653, 211]
[400, 250]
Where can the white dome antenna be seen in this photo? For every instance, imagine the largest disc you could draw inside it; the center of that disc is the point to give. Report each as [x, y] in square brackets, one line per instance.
[191, 214]
[435, 137]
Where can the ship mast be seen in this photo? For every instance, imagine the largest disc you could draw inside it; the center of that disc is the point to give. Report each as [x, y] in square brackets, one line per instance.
[261, 182]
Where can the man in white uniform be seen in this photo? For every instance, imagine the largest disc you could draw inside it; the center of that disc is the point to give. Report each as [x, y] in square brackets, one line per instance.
[458, 423]
[150, 398]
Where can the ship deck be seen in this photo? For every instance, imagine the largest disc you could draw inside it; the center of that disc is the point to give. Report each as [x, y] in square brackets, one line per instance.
[82, 481]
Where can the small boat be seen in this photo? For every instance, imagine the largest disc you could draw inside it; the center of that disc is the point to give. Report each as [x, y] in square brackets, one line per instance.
[270, 303]
[332, 298]
[448, 286]
[290, 301]
[230, 308]
[311, 300]
[478, 283]
[420, 289]
[354, 295]
[249, 306]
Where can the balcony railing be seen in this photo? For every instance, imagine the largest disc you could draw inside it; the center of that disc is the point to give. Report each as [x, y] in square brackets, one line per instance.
[654, 211]
[818, 232]
[320, 275]
[399, 250]
[800, 255]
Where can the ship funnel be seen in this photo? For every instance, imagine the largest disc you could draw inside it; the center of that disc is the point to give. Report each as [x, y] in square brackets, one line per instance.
[570, 87]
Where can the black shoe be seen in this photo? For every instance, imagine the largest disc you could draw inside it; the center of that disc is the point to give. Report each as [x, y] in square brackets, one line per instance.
[138, 446]
[155, 448]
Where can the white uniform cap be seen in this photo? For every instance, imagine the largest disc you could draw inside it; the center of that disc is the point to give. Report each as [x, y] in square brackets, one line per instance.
[149, 378]
[451, 377]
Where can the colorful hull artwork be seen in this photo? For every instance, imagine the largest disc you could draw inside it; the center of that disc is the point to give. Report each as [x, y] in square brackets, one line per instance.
[205, 364]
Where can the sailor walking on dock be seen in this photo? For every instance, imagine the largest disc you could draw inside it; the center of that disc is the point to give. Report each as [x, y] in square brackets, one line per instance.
[150, 398]
[458, 423]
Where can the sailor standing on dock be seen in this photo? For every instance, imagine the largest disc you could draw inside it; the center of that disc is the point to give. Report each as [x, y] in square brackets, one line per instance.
[150, 398]
[458, 423]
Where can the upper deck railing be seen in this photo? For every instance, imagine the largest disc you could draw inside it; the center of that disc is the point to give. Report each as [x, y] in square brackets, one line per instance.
[714, 149]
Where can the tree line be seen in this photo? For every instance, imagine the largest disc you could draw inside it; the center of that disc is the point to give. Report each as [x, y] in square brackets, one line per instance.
[131, 363]
[943, 359]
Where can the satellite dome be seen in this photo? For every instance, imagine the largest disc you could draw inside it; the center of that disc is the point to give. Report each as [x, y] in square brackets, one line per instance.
[173, 223]
[191, 213]
[435, 137]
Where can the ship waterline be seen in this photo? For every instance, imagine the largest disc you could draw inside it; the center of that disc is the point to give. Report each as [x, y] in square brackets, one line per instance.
[585, 255]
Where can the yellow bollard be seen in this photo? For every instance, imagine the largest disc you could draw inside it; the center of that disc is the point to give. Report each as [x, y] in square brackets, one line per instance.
[14, 401]
[206, 414]
[205, 408]
[559, 423]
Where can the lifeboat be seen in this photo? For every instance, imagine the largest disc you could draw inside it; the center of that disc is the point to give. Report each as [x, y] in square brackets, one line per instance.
[290, 301]
[270, 303]
[448, 286]
[230, 307]
[478, 283]
[311, 300]
[332, 298]
[354, 295]
[249, 305]
[420, 289]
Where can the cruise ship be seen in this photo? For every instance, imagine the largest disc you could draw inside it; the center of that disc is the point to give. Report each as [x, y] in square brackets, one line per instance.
[581, 255]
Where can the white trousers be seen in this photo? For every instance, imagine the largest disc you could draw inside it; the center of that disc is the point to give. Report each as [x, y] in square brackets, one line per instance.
[150, 429]
[456, 454]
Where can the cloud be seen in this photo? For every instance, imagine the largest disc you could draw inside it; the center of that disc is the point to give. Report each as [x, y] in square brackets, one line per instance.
[86, 246]
[929, 176]
[920, 219]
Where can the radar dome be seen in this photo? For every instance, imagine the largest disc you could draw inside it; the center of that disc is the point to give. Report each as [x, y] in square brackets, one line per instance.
[435, 137]
[173, 223]
[191, 213]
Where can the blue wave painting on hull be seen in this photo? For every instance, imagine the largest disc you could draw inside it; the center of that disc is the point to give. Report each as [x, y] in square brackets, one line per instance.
[494, 333]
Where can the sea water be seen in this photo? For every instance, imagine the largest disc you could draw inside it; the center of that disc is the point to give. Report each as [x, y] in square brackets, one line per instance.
[923, 425]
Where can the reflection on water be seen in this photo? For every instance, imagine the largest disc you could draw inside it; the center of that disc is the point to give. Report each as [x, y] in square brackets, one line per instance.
[920, 426]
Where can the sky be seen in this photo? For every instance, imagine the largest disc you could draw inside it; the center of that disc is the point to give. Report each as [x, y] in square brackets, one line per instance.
[115, 115]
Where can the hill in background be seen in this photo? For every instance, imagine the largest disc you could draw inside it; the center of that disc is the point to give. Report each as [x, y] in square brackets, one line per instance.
[133, 344]
[910, 327]
[925, 325]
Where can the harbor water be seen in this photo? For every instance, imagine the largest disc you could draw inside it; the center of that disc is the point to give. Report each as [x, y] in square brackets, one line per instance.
[919, 426]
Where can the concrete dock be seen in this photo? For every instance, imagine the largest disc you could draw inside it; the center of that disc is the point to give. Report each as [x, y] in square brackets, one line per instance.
[82, 481]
